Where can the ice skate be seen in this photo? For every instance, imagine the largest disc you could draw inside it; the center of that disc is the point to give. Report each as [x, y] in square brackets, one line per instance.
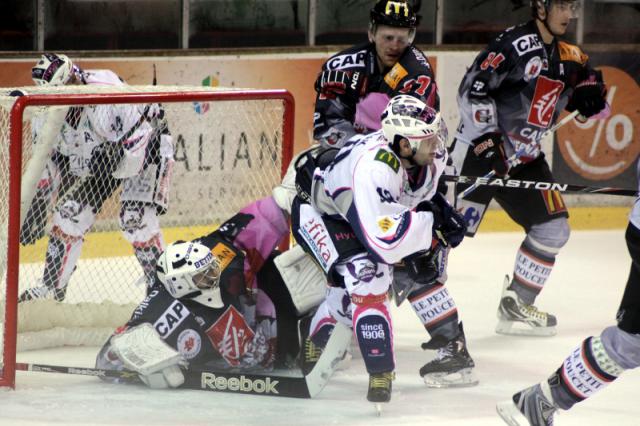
[519, 319]
[40, 292]
[452, 367]
[530, 407]
[380, 389]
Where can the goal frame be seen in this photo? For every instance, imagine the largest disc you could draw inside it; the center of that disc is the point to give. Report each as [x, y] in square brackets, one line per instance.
[8, 370]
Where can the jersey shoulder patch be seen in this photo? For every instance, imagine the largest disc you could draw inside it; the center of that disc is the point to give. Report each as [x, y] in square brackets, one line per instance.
[224, 253]
[570, 52]
[388, 158]
[395, 75]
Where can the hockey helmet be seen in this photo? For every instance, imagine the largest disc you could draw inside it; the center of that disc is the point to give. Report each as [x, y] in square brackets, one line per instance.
[190, 270]
[394, 13]
[410, 118]
[572, 4]
[52, 70]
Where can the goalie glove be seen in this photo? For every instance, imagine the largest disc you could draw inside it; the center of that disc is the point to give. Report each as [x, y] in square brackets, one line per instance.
[141, 349]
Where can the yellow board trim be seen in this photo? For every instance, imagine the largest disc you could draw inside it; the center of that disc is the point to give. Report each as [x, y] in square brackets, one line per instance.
[111, 244]
[580, 219]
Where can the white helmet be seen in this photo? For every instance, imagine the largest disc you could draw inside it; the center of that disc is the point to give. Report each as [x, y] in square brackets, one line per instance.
[191, 271]
[52, 70]
[410, 118]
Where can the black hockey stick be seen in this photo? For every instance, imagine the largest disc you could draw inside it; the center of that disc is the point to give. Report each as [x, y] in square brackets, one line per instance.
[244, 383]
[514, 160]
[235, 382]
[529, 184]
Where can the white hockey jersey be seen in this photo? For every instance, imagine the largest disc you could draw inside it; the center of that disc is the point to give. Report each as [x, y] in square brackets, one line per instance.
[367, 186]
[90, 126]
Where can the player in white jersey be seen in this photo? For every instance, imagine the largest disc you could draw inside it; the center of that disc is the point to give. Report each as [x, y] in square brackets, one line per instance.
[353, 88]
[596, 362]
[100, 148]
[387, 220]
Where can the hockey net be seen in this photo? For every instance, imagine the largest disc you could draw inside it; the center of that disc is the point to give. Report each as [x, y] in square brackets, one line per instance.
[230, 148]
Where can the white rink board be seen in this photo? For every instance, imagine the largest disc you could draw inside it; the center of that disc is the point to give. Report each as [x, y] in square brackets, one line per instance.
[584, 291]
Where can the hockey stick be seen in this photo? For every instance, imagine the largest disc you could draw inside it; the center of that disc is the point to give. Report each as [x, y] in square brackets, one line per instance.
[514, 160]
[234, 382]
[218, 381]
[529, 184]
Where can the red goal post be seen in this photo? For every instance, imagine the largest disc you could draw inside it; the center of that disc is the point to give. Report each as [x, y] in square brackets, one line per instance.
[231, 147]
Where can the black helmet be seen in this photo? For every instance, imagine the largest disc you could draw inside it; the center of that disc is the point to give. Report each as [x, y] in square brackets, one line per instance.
[394, 13]
[546, 4]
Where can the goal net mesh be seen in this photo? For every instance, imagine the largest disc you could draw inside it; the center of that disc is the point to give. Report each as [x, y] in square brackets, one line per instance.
[226, 149]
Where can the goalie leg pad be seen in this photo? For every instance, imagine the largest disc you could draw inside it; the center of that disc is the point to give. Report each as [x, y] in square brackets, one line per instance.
[284, 193]
[305, 281]
[141, 349]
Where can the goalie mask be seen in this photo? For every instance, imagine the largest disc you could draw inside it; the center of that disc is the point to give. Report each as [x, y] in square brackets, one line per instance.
[52, 70]
[409, 118]
[189, 270]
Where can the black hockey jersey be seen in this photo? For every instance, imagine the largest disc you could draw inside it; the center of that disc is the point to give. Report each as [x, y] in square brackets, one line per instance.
[204, 336]
[336, 120]
[518, 86]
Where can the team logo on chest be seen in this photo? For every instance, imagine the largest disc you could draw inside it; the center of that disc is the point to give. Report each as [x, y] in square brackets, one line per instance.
[189, 343]
[544, 101]
[533, 68]
[231, 335]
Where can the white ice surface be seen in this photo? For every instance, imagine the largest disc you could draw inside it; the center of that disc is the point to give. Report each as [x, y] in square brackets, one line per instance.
[584, 291]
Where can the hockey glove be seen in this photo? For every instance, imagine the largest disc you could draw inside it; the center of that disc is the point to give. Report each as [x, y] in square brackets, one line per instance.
[589, 96]
[422, 266]
[488, 148]
[448, 225]
[105, 158]
[347, 85]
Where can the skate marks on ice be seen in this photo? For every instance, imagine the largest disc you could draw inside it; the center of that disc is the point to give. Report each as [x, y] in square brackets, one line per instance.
[583, 291]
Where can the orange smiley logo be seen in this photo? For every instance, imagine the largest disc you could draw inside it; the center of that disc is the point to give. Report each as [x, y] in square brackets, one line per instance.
[603, 149]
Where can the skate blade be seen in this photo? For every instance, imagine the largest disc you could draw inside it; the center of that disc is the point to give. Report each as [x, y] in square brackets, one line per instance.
[510, 414]
[378, 407]
[460, 379]
[517, 328]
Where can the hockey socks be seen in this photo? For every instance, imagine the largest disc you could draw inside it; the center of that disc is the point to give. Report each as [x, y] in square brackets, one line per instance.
[372, 327]
[532, 269]
[584, 372]
[436, 309]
